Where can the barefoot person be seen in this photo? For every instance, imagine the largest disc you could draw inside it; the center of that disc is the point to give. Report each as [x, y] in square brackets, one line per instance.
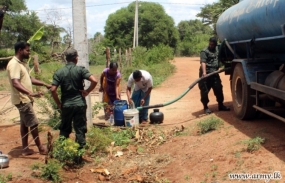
[110, 86]
[22, 96]
[142, 81]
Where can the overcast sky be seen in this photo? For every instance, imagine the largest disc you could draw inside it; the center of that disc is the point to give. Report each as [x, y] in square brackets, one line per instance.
[97, 11]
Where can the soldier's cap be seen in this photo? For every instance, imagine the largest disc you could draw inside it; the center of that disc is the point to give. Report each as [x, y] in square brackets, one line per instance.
[71, 53]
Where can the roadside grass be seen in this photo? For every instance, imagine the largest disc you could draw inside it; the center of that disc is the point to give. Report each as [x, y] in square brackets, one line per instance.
[209, 124]
[5, 178]
[253, 144]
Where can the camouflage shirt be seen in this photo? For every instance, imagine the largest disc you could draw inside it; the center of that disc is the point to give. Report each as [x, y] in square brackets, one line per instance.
[211, 59]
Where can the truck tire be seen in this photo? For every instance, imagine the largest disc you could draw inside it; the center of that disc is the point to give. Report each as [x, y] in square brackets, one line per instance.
[241, 91]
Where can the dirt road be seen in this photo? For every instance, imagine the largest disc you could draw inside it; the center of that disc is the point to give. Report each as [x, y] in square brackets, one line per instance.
[193, 158]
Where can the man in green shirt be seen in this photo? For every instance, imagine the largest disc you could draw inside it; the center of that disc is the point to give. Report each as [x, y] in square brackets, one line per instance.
[73, 106]
[209, 63]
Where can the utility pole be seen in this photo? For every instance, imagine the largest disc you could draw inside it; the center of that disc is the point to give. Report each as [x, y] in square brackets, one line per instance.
[81, 45]
[136, 27]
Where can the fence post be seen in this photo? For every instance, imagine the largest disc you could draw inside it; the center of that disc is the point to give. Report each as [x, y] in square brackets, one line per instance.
[107, 57]
[130, 57]
[127, 58]
[36, 69]
[120, 58]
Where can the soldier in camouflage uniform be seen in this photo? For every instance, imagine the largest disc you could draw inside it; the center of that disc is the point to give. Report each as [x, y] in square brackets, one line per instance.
[209, 63]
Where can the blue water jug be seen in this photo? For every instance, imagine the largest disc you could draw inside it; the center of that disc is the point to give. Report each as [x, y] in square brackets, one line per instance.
[119, 107]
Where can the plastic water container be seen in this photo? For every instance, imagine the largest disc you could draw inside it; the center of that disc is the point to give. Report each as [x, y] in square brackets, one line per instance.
[131, 117]
[111, 119]
[119, 107]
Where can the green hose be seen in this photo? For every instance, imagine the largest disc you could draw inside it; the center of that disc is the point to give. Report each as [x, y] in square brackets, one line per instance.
[184, 93]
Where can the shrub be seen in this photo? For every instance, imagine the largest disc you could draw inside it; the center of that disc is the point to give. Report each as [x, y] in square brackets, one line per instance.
[98, 139]
[50, 171]
[209, 124]
[253, 144]
[123, 137]
[4, 179]
[47, 104]
[66, 151]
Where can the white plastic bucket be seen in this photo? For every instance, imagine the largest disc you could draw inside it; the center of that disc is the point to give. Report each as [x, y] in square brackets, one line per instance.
[131, 117]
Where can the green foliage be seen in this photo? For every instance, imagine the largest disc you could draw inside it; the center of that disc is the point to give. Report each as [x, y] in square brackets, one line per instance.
[160, 72]
[19, 24]
[211, 12]
[152, 60]
[7, 178]
[6, 52]
[37, 36]
[194, 37]
[98, 139]
[47, 105]
[123, 137]
[49, 171]
[97, 107]
[66, 150]
[253, 144]
[159, 54]
[209, 124]
[155, 27]
[97, 59]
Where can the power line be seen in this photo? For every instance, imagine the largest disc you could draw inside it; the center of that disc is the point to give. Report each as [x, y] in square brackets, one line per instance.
[110, 4]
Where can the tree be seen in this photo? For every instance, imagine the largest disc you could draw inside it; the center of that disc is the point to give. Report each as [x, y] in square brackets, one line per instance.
[187, 29]
[155, 26]
[19, 24]
[193, 37]
[211, 12]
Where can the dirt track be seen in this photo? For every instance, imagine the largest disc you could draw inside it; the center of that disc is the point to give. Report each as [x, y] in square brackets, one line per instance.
[193, 158]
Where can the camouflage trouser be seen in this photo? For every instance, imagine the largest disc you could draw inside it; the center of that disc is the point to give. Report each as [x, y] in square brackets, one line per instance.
[205, 86]
[77, 114]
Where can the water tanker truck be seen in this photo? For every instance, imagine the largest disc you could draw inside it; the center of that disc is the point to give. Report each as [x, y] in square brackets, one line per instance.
[253, 47]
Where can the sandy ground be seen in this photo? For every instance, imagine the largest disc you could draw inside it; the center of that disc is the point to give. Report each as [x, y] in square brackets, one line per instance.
[194, 158]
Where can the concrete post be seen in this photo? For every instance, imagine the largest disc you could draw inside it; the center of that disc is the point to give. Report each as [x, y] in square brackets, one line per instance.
[81, 45]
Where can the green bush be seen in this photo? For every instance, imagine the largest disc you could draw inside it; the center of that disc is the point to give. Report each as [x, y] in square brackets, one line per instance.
[50, 171]
[155, 60]
[123, 137]
[159, 54]
[253, 144]
[47, 104]
[4, 179]
[98, 139]
[209, 124]
[66, 151]
[97, 59]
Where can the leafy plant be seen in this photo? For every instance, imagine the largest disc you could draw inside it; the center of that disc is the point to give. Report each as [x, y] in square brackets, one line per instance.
[253, 144]
[66, 150]
[209, 124]
[50, 171]
[4, 179]
[97, 107]
[123, 137]
[47, 104]
[98, 139]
